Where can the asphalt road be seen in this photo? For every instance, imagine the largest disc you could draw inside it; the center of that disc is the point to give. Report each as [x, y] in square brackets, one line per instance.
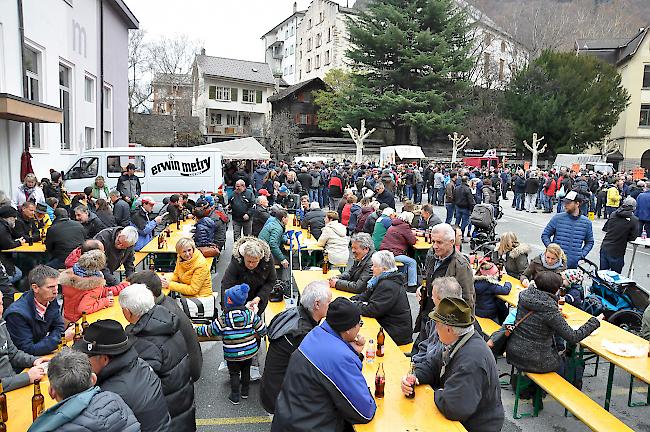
[216, 413]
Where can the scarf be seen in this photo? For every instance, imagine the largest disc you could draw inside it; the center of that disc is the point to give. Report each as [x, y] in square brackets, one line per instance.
[81, 272]
[375, 279]
[450, 351]
[27, 191]
[547, 266]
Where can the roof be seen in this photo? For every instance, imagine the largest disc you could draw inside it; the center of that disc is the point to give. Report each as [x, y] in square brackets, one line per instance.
[292, 89]
[615, 51]
[298, 13]
[169, 78]
[126, 14]
[243, 148]
[243, 70]
[405, 151]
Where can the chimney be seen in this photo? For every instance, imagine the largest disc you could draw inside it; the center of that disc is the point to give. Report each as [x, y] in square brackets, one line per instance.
[295, 7]
[202, 51]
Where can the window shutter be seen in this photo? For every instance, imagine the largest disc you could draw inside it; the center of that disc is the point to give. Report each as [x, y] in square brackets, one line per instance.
[233, 94]
[212, 92]
[258, 96]
[314, 119]
[307, 122]
[297, 119]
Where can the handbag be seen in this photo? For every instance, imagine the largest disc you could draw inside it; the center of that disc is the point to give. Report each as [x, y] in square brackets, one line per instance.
[209, 251]
[500, 337]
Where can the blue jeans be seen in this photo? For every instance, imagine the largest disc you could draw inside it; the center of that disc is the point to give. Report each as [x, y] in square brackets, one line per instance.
[410, 268]
[323, 196]
[608, 262]
[18, 275]
[462, 218]
[519, 200]
[408, 189]
[441, 196]
[451, 210]
[313, 195]
[418, 193]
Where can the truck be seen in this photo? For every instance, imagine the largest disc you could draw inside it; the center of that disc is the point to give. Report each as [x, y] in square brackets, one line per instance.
[588, 162]
[163, 171]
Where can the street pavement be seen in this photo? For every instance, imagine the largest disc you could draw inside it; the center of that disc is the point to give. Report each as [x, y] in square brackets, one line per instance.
[216, 414]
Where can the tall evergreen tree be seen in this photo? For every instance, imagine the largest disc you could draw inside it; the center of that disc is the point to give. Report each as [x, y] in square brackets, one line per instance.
[410, 60]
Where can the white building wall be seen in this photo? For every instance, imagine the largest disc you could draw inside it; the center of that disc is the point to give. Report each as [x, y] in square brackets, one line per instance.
[287, 33]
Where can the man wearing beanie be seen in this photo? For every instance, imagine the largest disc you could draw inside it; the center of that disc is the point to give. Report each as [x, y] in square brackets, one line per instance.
[242, 330]
[464, 377]
[324, 389]
[621, 227]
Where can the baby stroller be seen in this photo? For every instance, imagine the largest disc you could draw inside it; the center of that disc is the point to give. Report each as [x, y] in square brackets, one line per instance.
[620, 299]
[484, 223]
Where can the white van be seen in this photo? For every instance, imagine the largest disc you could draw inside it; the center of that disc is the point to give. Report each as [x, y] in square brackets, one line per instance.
[163, 171]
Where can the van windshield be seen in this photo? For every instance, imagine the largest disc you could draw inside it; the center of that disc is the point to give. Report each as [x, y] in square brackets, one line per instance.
[84, 168]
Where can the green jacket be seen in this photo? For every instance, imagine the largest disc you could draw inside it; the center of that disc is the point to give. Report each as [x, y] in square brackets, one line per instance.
[96, 191]
[380, 231]
[272, 234]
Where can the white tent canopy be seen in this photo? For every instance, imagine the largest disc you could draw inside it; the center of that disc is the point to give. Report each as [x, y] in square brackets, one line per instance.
[409, 152]
[243, 148]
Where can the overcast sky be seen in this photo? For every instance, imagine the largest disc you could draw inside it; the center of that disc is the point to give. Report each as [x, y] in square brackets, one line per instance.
[226, 28]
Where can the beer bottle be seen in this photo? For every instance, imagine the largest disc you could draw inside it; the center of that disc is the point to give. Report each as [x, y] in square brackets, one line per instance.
[411, 379]
[168, 232]
[160, 241]
[30, 238]
[84, 322]
[63, 341]
[38, 400]
[77, 333]
[3, 404]
[3, 426]
[178, 223]
[294, 220]
[423, 290]
[326, 263]
[380, 342]
[562, 298]
[380, 381]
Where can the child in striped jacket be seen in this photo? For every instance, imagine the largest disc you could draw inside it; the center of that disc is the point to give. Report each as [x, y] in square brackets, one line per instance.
[242, 330]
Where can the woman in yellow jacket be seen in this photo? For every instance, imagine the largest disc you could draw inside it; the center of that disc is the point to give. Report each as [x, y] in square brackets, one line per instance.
[613, 198]
[192, 272]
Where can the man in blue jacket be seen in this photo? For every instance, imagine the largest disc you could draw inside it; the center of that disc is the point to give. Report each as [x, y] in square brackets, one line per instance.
[34, 321]
[643, 210]
[571, 231]
[325, 390]
[142, 221]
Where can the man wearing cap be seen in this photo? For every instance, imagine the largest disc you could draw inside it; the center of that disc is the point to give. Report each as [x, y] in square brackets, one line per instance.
[42, 216]
[119, 370]
[572, 231]
[621, 227]
[260, 213]
[241, 205]
[286, 199]
[464, 374]
[140, 219]
[129, 184]
[325, 390]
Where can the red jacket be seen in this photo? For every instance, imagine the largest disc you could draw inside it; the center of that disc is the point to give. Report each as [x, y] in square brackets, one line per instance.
[552, 187]
[82, 294]
[398, 238]
[74, 257]
[345, 214]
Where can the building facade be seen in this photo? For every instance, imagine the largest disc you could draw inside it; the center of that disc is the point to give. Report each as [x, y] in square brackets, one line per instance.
[172, 94]
[230, 97]
[63, 81]
[280, 47]
[631, 56]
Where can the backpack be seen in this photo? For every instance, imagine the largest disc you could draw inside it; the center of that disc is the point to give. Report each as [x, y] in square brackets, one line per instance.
[482, 216]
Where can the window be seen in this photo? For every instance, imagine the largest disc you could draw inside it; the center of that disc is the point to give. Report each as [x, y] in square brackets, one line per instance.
[290, 69]
[308, 44]
[89, 89]
[117, 164]
[220, 93]
[32, 63]
[321, 17]
[645, 115]
[308, 68]
[309, 24]
[291, 31]
[327, 57]
[215, 118]
[251, 96]
[319, 40]
[231, 119]
[286, 34]
[329, 35]
[286, 71]
[90, 138]
[300, 55]
[504, 46]
[487, 39]
[291, 50]
[502, 66]
[64, 103]
[85, 167]
[646, 76]
[108, 98]
[108, 136]
[286, 51]
[304, 119]
[486, 63]
[317, 62]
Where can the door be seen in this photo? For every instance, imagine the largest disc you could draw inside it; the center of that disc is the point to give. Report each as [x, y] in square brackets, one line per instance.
[645, 160]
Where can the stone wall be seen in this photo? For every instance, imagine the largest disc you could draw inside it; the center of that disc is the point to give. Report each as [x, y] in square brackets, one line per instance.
[156, 130]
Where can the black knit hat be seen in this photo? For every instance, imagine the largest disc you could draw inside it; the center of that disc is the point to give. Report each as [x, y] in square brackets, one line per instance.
[342, 314]
[7, 211]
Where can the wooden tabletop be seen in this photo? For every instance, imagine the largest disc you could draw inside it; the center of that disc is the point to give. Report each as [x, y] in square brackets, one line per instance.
[307, 241]
[175, 235]
[394, 411]
[637, 366]
[421, 244]
[38, 247]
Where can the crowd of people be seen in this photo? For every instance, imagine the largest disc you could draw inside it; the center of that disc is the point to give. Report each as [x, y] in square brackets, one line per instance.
[350, 210]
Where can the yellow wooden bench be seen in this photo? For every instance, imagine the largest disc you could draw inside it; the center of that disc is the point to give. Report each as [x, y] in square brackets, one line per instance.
[487, 325]
[406, 348]
[579, 404]
[139, 257]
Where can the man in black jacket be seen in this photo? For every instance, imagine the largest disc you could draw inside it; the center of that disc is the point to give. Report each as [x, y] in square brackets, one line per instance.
[129, 184]
[119, 370]
[355, 280]
[241, 204]
[427, 218]
[314, 220]
[621, 227]
[304, 178]
[260, 214]
[118, 246]
[91, 223]
[63, 237]
[159, 342]
[121, 209]
[152, 281]
[384, 196]
[8, 216]
[464, 203]
[285, 332]
[26, 224]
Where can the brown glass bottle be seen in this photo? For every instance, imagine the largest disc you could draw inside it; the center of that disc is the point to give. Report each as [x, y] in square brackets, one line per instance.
[77, 332]
[63, 342]
[411, 380]
[380, 381]
[326, 263]
[381, 338]
[3, 426]
[84, 322]
[178, 223]
[160, 241]
[3, 404]
[38, 400]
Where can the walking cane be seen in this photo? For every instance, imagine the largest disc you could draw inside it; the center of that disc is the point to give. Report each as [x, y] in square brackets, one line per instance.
[298, 234]
[291, 301]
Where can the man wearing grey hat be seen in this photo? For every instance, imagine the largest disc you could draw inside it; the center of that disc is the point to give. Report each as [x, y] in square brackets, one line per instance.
[464, 374]
[621, 227]
[324, 389]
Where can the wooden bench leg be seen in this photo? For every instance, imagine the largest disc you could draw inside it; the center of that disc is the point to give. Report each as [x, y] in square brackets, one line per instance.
[610, 382]
[536, 399]
[629, 395]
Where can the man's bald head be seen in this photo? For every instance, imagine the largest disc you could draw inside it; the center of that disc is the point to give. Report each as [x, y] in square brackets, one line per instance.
[91, 244]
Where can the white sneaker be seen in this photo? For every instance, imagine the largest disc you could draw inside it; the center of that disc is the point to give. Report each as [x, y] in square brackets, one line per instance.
[255, 373]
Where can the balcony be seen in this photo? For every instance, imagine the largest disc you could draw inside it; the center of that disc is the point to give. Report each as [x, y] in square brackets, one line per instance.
[234, 130]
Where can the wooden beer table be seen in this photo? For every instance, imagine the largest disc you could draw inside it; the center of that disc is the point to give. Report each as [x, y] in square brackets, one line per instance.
[638, 367]
[394, 411]
[38, 247]
[170, 244]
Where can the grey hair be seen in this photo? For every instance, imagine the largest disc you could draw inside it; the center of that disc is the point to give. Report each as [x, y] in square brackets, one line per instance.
[69, 373]
[314, 205]
[259, 199]
[446, 287]
[384, 259]
[115, 193]
[137, 299]
[251, 249]
[446, 230]
[313, 292]
[240, 182]
[130, 235]
[39, 274]
[461, 331]
[364, 240]
[81, 209]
